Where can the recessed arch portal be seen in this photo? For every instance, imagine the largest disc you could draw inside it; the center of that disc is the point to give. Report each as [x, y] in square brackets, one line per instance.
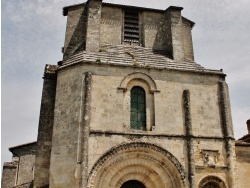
[143, 162]
[132, 184]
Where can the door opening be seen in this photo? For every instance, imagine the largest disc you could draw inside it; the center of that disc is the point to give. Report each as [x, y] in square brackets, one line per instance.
[132, 184]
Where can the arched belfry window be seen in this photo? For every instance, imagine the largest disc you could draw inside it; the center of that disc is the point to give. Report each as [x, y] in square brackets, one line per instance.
[137, 108]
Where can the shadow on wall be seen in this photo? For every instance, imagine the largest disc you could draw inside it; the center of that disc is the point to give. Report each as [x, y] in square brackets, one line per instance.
[162, 43]
[77, 41]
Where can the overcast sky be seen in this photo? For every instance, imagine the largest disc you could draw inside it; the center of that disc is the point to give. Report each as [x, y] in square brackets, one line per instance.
[33, 34]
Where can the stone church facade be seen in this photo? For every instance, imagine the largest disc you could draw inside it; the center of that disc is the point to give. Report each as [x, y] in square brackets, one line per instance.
[128, 107]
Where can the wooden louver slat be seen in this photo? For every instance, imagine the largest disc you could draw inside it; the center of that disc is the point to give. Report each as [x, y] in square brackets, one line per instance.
[131, 27]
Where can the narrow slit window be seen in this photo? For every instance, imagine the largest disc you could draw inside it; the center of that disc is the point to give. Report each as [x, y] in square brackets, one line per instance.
[137, 108]
[131, 27]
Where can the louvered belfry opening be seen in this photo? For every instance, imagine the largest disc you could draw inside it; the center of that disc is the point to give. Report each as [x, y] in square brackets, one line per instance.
[131, 27]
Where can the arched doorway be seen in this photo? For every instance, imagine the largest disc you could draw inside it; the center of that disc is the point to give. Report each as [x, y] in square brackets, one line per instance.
[211, 185]
[132, 184]
[137, 165]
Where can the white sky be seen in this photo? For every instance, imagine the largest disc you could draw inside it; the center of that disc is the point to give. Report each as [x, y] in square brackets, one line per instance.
[33, 34]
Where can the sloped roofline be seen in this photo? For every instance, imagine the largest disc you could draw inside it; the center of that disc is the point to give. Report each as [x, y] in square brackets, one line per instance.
[65, 9]
[244, 144]
[21, 145]
[243, 141]
[191, 22]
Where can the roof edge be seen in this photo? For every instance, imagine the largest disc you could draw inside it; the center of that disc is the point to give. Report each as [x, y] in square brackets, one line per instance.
[190, 21]
[9, 165]
[206, 71]
[136, 7]
[238, 143]
[66, 8]
[175, 8]
[21, 145]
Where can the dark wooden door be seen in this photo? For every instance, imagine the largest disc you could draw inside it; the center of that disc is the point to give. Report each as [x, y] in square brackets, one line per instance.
[132, 184]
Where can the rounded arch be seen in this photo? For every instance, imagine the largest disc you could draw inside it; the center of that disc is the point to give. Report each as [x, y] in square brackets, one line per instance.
[212, 181]
[147, 163]
[133, 183]
[138, 76]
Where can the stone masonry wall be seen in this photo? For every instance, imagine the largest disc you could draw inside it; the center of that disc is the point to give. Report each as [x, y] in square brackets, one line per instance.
[168, 102]
[187, 37]
[243, 165]
[26, 168]
[75, 37]
[109, 118]
[175, 19]
[8, 176]
[24, 157]
[153, 29]
[67, 120]
[44, 138]
[111, 25]
[20, 171]
[91, 24]
[109, 130]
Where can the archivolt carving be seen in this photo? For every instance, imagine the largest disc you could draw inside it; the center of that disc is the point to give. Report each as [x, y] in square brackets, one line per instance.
[212, 181]
[147, 163]
[138, 76]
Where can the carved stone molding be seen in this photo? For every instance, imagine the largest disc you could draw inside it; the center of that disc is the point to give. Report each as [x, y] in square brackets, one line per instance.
[139, 76]
[144, 157]
[210, 157]
[212, 182]
[110, 22]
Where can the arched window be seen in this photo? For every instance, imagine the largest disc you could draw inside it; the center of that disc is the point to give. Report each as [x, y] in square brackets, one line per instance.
[212, 182]
[132, 184]
[137, 108]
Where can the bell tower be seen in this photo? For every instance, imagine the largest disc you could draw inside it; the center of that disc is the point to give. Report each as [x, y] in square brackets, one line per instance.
[129, 106]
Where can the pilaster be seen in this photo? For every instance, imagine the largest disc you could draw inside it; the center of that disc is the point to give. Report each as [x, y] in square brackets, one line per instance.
[45, 129]
[174, 22]
[93, 25]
